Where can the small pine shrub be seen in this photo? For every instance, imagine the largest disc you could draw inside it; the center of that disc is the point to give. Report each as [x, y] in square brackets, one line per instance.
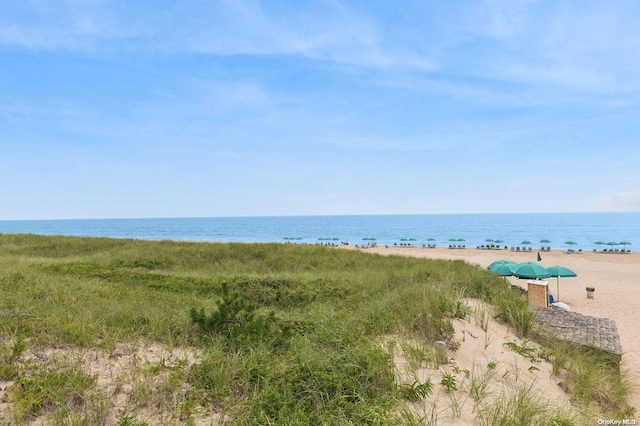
[240, 320]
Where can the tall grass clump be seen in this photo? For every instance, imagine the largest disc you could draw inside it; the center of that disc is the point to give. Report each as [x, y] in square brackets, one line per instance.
[522, 405]
[514, 310]
[63, 390]
[592, 377]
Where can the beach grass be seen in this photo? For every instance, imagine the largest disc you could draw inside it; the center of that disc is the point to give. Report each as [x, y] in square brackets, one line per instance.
[284, 334]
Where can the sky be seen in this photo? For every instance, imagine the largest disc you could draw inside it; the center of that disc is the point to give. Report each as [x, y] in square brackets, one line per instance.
[197, 108]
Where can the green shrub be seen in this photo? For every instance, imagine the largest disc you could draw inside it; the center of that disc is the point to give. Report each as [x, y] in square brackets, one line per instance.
[240, 320]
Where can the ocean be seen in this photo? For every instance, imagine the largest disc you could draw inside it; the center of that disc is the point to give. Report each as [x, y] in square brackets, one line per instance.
[585, 229]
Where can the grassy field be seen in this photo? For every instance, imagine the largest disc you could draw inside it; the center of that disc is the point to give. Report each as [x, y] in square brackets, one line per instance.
[265, 333]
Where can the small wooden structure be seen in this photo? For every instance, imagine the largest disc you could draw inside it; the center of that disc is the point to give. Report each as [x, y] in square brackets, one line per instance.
[538, 292]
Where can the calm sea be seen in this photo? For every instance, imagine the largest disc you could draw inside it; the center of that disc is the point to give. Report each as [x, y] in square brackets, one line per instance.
[585, 229]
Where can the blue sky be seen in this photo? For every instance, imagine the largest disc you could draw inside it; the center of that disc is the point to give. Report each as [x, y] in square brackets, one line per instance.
[248, 108]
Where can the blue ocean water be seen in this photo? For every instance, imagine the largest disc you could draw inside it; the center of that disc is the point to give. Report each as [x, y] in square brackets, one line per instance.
[583, 228]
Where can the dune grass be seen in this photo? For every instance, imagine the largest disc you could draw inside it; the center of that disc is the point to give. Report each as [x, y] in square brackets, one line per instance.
[299, 344]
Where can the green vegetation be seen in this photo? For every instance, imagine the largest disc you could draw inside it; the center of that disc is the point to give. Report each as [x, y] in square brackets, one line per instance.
[285, 334]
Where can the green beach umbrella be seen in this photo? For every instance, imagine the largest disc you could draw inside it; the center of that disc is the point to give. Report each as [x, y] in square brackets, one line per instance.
[560, 271]
[461, 239]
[545, 241]
[525, 242]
[489, 240]
[612, 243]
[625, 243]
[570, 243]
[502, 269]
[530, 270]
[431, 239]
[412, 239]
[404, 239]
[499, 241]
[502, 262]
[599, 243]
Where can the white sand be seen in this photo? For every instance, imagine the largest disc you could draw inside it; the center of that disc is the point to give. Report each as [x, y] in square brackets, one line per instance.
[615, 277]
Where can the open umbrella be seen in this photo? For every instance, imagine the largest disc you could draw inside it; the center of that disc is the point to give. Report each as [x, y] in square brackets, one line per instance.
[599, 243]
[502, 262]
[560, 271]
[625, 244]
[502, 269]
[611, 244]
[530, 270]
[525, 242]
[570, 244]
[545, 241]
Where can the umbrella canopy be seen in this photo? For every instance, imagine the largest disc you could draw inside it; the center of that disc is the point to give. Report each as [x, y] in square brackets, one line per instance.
[489, 240]
[499, 241]
[431, 239]
[545, 241]
[571, 243]
[625, 243]
[560, 271]
[611, 244]
[530, 270]
[525, 242]
[502, 262]
[502, 269]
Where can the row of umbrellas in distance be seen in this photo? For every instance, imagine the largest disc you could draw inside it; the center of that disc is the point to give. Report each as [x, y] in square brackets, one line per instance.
[460, 240]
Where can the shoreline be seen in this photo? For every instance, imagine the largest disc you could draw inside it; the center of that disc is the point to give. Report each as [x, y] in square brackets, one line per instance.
[615, 277]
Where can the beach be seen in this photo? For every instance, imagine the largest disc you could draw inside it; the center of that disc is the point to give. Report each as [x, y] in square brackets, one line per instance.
[614, 276]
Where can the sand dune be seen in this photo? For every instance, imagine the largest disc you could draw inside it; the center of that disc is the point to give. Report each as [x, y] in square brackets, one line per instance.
[615, 277]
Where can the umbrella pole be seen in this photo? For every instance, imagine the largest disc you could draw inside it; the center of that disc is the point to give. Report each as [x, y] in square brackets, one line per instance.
[558, 287]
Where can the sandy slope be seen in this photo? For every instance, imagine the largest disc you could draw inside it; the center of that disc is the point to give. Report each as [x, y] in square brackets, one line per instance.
[615, 277]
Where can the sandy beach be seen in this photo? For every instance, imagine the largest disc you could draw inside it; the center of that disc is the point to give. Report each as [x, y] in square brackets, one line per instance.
[615, 277]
